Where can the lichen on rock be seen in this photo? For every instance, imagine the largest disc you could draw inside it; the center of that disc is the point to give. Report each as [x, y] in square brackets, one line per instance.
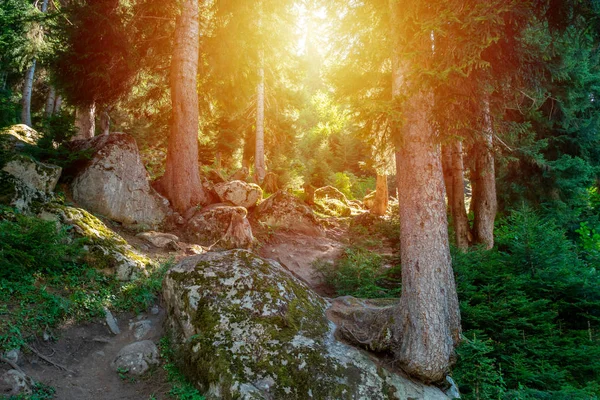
[220, 227]
[244, 327]
[284, 211]
[106, 248]
[239, 193]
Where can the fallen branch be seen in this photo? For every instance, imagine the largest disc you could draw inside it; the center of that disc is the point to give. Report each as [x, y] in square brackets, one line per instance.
[49, 361]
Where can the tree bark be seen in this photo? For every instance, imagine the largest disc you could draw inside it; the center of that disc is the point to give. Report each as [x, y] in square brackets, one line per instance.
[380, 203]
[427, 319]
[104, 122]
[259, 156]
[484, 200]
[50, 102]
[27, 90]
[58, 104]
[85, 122]
[181, 181]
[452, 155]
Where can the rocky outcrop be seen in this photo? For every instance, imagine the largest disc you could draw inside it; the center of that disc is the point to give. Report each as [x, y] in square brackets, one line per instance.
[284, 211]
[243, 327]
[239, 193]
[18, 136]
[106, 249]
[220, 227]
[159, 239]
[114, 182]
[329, 192]
[15, 383]
[38, 176]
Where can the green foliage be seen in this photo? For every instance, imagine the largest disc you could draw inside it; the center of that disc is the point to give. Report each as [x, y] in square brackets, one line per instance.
[530, 313]
[181, 389]
[359, 273]
[9, 108]
[30, 245]
[43, 280]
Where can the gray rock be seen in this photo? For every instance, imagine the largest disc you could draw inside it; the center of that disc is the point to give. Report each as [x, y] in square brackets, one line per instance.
[453, 391]
[285, 211]
[136, 358]
[18, 136]
[14, 383]
[16, 193]
[154, 310]
[12, 355]
[220, 227]
[329, 192]
[111, 321]
[159, 239]
[239, 193]
[141, 329]
[246, 328]
[107, 249]
[115, 183]
[37, 175]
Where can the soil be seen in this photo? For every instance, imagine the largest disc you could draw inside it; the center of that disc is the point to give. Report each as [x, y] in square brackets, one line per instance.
[87, 349]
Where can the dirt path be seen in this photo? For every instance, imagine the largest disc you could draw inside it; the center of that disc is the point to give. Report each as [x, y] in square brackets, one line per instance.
[87, 350]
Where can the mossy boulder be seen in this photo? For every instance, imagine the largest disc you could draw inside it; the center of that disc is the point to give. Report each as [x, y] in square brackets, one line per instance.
[16, 137]
[239, 193]
[16, 193]
[332, 207]
[114, 182]
[220, 226]
[369, 200]
[244, 328]
[284, 211]
[329, 192]
[35, 174]
[107, 250]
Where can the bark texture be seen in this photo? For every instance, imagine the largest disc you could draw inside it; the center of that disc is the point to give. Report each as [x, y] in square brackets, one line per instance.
[50, 102]
[27, 89]
[427, 319]
[181, 181]
[452, 155]
[380, 204]
[58, 104]
[85, 122]
[259, 156]
[484, 201]
[104, 122]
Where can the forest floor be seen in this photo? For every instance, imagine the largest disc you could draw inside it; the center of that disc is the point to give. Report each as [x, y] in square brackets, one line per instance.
[86, 350]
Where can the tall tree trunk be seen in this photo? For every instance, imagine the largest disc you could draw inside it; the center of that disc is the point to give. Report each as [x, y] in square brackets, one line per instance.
[28, 85]
[181, 181]
[455, 191]
[27, 90]
[58, 104]
[259, 156]
[427, 320]
[484, 200]
[50, 102]
[85, 122]
[380, 203]
[104, 122]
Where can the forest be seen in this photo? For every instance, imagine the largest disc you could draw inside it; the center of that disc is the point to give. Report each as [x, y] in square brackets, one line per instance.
[300, 199]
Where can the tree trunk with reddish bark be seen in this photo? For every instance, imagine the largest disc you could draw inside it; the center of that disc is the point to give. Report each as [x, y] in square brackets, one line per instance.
[380, 203]
[85, 122]
[181, 181]
[452, 155]
[484, 200]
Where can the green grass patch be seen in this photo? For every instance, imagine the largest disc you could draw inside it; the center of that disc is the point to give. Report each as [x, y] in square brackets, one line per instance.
[181, 389]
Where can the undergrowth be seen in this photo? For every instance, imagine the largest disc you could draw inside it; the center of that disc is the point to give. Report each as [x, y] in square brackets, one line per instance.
[181, 389]
[43, 281]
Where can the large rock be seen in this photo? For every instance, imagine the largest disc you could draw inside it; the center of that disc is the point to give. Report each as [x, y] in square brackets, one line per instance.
[114, 182]
[329, 192]
[14, 192]
[285, 211]
[38, 176]
[243, 327]
[106, 249]
[239, 193]
[17, 137]
[220, 227]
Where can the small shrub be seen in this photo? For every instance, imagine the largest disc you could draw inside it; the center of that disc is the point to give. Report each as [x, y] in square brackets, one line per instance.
[359, 273]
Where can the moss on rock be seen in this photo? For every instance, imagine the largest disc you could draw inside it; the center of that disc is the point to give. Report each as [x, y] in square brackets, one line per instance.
[247, 329]
[106, 248]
